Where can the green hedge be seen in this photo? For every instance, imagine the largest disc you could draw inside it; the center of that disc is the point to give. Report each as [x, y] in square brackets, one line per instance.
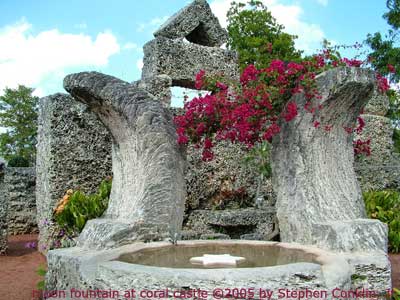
[385, 206]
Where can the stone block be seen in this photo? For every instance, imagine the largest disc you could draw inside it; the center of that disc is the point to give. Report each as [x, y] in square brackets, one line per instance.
[20, 186]
[381, 169]
[225, 182]
[380, 131]
[159, 86]
[196, 23]
[361, 235]
[73, 152]
[378, 104]
[237, 223]
[181, 61]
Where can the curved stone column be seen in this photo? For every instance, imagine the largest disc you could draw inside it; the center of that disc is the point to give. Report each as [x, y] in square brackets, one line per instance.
[148, 166]
[313, 172]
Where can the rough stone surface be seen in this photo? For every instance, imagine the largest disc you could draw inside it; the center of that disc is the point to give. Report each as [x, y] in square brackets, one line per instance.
[362, 235]
[148, 165]
[313, 171]
[225, 182]
[233, 223]
[378, 105]
[196, 23]
[379, 130]
[214, 236]
[182, 61]
[73, 152]
[75, 268]
[20, 193]
[159, 86]
[3, 214]
[370, 271]
[380, 170]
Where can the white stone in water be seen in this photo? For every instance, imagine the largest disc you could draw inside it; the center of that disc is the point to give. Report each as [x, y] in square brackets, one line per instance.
[217, 260]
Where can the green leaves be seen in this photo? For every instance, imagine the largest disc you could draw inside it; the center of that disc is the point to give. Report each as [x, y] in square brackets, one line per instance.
[258, 157]
[393, 15]
[41, 271]
[257, 37]
[385, 206]
[80, 208]
[18, 114]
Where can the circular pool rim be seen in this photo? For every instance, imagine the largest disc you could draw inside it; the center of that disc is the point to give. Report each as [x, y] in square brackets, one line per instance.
[334, 268]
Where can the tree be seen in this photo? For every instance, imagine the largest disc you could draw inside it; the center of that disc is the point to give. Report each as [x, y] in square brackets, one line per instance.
[393, 15]
[257, 37]
[385, 58]
[18, 115]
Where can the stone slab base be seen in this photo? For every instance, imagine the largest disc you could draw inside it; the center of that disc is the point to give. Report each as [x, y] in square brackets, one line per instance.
[110, 233]
[98, 270]
[363, 235]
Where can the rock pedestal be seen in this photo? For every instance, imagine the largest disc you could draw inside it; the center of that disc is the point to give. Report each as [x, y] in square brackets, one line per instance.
[148, 166]
[319, 200]
[313, 170]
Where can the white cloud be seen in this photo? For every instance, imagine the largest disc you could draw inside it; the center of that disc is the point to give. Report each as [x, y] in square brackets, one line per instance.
[323, 2]
[38, 92]
[309, 35]
[139, 64]
[30, 59]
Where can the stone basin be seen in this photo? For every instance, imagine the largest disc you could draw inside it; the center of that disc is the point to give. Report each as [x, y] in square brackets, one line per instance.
[257, 255]
[161, 266]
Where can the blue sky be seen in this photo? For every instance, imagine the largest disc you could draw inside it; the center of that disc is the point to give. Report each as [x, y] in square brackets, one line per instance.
[41, 41]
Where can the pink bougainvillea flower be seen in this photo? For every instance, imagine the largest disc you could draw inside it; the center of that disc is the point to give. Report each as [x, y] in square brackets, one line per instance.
[221, 86]
[249, 112]
[207, 155]
[391, 68]
[362, 147]
[383, 84]
[361, 125]
[199, 82]
[352, 62]
[249, 73]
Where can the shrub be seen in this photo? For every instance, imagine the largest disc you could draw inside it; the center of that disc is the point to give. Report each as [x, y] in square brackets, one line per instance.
[385, 206]
[396, 140]
[76, 208]
[18, 162]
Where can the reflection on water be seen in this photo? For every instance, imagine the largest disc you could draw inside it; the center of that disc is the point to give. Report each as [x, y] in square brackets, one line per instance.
[179, 256]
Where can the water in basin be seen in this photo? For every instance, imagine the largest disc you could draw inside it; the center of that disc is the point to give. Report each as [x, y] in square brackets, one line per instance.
[178, 256]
